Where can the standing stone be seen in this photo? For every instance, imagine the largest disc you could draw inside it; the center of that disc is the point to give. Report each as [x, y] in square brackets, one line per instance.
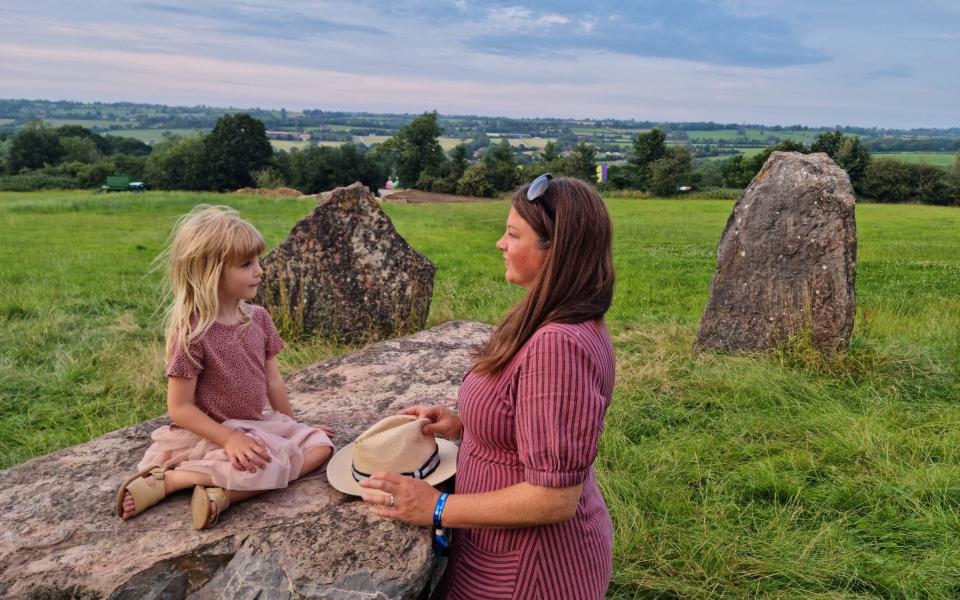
[345, 273]
[786, 263]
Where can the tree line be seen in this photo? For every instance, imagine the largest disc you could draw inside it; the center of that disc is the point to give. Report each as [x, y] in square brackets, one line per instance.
[237, 154]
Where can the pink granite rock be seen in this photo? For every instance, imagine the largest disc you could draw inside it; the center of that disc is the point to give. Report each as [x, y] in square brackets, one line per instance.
[59, 536]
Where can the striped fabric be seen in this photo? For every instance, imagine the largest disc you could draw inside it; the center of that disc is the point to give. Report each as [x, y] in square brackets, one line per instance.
[539, 421]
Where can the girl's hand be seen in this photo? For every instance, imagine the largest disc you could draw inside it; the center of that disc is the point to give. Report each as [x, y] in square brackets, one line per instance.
[413, 499]
[246, 453]
[442, 420]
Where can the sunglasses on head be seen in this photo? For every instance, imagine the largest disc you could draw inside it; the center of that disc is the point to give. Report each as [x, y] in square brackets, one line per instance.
[538, 187]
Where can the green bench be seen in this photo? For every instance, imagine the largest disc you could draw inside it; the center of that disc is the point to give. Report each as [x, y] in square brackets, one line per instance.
[121, 183]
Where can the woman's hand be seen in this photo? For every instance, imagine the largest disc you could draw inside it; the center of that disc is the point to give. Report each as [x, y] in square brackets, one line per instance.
[412, 499]
[442, 420]
[246, 453]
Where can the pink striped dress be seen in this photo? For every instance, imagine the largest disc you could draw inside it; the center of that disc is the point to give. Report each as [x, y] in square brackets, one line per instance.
[538, 421]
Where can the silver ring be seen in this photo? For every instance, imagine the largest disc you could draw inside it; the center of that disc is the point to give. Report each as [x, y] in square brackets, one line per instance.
[391, 501]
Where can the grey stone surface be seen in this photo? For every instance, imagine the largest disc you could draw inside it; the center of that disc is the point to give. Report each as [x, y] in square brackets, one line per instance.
[59, 537]
[786, 263]
[345, 273]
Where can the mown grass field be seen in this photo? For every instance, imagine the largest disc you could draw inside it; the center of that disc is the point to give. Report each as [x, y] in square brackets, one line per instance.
[152, 136]
[88, 123]
[781, 475]
[939, 159]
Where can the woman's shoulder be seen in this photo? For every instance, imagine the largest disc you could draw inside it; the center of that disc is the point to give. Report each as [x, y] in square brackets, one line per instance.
[553, 337]
[573, 331]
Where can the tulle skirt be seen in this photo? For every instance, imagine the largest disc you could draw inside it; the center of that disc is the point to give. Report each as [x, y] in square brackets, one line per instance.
[285, 439]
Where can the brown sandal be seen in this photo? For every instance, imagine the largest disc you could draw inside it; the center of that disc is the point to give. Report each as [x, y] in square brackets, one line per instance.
[200, 505]
[144, 494]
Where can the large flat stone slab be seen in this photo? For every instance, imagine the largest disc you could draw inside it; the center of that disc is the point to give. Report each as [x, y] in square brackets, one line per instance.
[59, 537]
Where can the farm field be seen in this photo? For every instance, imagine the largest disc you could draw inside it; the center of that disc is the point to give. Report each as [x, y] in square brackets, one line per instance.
[529, 142]
[152, 136]
[784, 475]
[88, 123]
[291, 144]
[446, 143]
[756, 135]
[939, 159]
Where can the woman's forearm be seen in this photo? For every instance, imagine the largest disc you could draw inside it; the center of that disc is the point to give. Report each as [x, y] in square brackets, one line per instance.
[520, 505]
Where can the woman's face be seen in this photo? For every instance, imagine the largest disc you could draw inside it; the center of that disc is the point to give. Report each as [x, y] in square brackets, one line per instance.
[522, 254]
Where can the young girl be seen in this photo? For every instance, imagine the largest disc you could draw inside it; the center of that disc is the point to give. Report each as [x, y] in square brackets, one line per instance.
[221, 371]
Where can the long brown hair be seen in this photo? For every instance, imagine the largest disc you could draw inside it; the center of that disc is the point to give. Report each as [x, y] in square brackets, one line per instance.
[575, 283]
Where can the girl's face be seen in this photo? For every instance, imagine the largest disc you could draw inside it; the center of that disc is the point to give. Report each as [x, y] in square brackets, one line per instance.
[240, 281]
[522, 254]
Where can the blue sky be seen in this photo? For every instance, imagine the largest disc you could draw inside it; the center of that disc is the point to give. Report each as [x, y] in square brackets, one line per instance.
[817, 62]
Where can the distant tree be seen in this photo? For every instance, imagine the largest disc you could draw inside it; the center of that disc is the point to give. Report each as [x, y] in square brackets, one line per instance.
[929, 184]
[953, 182]
[234, 150]
[829, 142]
[848, 152]
[566, 139]
[33, 147]
[891, 180]
[79, 149]
[733, 173]
[177, 164]
[415, 149]
[550, 153]
[853, 157]
[475, 182]
[647, 147]
[459, 161]
[501, 166]
[114, 144]
[320, 169]
[671, 171]
[581, 162]
[478, 140]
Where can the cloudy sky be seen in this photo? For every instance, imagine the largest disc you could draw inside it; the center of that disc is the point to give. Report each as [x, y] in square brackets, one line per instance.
[884, 63]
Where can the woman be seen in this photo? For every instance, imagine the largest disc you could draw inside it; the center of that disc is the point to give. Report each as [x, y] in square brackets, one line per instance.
[529, 517]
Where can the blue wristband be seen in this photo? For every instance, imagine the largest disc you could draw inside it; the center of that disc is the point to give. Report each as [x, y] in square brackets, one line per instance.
[438, 510]
[441, 543]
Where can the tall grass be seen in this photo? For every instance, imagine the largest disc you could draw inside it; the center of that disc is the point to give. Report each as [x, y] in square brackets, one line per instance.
[784, 474]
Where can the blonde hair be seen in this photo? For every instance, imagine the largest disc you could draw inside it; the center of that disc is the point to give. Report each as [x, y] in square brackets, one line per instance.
[204, 241]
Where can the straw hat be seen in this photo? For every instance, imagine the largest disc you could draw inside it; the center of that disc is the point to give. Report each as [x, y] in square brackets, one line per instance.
[395, 445]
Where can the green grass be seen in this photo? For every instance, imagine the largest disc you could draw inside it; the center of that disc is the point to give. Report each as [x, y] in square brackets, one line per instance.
[88, 123]
[780, 475]
[939, 159]
[755, 135]
[152, 136]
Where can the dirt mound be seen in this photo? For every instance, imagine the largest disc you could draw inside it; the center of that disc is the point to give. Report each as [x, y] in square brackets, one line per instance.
[282, 192]
[418, 197]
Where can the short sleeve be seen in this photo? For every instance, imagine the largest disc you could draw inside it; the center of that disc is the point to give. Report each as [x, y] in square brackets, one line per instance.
[274, 342]
[559, 411]
[180, 364]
